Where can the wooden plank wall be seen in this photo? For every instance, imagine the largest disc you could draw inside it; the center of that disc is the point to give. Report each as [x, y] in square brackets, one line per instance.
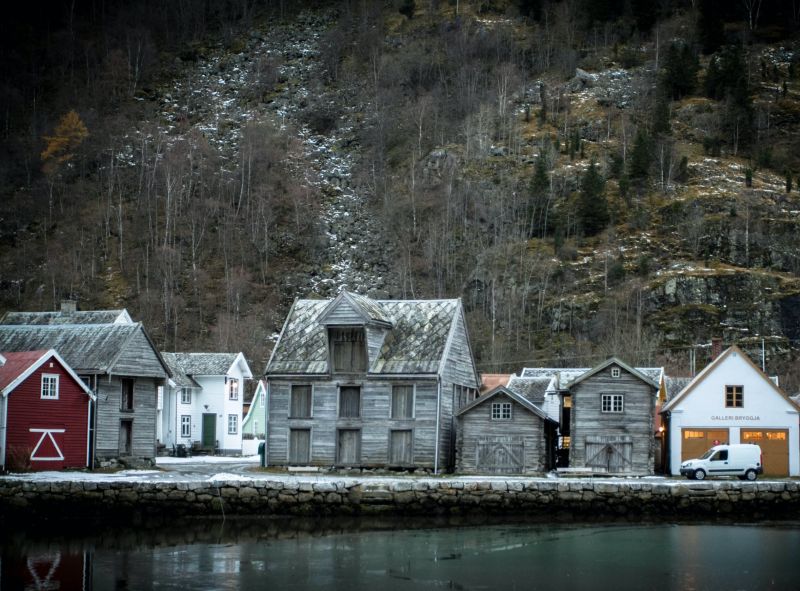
[138, 358]
[375, 337]
[477, 422]
[636, 421]
[109, 392]
[375, 421]
[459, 366]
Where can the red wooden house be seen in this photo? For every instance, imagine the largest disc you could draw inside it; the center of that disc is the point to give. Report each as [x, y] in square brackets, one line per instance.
[45, 412]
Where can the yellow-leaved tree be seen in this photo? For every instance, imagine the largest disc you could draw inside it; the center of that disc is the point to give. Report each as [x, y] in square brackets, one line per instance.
[69, 134]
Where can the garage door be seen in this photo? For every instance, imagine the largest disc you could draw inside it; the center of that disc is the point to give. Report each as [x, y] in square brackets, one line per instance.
[696, 442]
[774, 449]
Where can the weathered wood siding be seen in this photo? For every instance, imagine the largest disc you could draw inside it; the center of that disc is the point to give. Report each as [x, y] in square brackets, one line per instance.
[524, 433]
[344, 314]
[139, 359]
[375, 423]
[109, 415]
[459, 365]
[631, 428]
[375, 337]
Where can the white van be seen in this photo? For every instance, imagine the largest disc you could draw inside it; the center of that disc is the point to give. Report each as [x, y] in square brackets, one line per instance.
[743, 460]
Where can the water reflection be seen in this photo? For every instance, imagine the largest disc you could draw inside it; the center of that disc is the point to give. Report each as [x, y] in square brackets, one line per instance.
[392, 554]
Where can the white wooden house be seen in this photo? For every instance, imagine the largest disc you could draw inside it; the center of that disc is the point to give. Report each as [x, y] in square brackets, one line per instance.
[201, 406]
[733, 401]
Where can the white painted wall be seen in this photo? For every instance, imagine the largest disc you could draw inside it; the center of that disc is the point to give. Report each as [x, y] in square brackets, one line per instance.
[764, 408]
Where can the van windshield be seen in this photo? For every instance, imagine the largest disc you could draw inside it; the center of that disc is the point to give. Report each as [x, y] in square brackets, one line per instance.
[707, 455]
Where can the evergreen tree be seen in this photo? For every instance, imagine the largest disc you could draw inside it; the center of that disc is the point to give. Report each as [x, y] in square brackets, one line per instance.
[710, 24]
[593, 215]
[788, 181]
[537, 202]
[661, 125]
[641, 156]
[679, 74]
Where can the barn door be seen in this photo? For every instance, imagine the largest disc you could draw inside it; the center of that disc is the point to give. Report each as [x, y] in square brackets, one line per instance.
[611, 453]
[500, 454]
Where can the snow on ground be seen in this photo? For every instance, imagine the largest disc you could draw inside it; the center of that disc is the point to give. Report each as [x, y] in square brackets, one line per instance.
[168, 460]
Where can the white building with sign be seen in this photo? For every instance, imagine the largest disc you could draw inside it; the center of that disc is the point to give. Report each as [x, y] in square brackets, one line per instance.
[733, 401]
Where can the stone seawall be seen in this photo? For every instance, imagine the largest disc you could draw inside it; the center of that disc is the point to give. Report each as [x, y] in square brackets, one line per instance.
[580, 499]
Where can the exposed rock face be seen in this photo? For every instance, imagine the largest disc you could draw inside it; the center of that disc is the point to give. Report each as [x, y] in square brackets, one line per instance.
[21, 499]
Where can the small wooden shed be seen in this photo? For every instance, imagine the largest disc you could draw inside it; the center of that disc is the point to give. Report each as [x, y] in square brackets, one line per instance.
[45, 411]
[503, 433]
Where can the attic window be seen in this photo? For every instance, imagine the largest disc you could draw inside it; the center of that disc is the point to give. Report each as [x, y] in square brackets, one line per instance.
[348, 353]
[734, 396]
[501, 411]
[614, 372]
[49, 386]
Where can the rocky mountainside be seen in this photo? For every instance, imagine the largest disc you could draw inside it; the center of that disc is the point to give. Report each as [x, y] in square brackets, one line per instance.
[553, 172]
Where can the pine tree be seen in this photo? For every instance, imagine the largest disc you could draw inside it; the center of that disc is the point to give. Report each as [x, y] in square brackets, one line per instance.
[593, 215]
[641, 156]
[679, 74]
[788, 181]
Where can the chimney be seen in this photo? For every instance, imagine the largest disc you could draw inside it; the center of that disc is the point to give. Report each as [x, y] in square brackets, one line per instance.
[69, 306]
[716, 347]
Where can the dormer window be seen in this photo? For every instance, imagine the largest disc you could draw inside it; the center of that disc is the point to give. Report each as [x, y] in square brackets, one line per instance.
[348, 350]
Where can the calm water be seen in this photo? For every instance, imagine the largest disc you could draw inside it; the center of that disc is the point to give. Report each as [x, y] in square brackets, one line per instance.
[211, 556]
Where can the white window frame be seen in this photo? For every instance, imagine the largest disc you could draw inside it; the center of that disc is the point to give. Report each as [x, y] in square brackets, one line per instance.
[615, 373]
[501, 411]
[49, 388]
[233, 389]
[262, 400]
[612, 403]
[234, 424]
[186, 395]
[186, 426]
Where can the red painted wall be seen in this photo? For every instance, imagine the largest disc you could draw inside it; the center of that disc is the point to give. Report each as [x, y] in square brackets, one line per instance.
[27, 409]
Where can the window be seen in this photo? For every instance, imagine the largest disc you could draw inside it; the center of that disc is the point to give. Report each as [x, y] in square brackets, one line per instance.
[734, 396]
[300, 405]
[349, 402]
[160, 398]
[233, 389]
[720, 456]
[501, 411]
[614, 372]
[299, 446]
[611, 403]
[126, 399]
[233, 424]
[186, 425]
[348, 353]
[49, 386]
[186, 395]
[402, 402]
[262, 399]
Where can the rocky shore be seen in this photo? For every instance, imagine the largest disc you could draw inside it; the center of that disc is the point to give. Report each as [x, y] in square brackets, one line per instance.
[23, 500]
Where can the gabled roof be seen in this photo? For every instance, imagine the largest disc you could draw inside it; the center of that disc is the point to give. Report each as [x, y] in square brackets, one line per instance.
[186, 366]
[540, 391]
[369, 310]
[564, 376]
[261, 389]
[415, 344]
[526, 404]
[711, 367]
[61, 317]
[614, 361]
[673, 385]
[87, 348]
[21, 364]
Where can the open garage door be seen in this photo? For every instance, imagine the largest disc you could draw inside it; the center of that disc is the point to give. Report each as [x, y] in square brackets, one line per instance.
[774, 445]
[695, 442]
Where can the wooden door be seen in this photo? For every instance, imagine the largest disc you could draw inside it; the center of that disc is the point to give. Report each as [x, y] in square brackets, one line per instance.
[611, 453]
[696, 442]
[774, 445]
[500, 454]
[400, 452]
[348, 448]
[299, 446]
[125, 437]
[209, 435]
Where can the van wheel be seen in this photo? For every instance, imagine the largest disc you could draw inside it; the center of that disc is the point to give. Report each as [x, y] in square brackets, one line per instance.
[699, 474]
[750, 475]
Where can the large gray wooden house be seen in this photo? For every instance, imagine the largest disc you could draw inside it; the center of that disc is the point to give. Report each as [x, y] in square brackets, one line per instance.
[355, 382]
[612, 419]
[120, 364]
[503, 432]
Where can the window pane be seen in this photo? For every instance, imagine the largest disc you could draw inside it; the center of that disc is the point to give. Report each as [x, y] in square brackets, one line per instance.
[402, 402]
[349, 402]
[301, 401]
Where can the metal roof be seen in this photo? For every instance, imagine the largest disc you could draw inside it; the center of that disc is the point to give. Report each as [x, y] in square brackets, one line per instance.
[415, 343]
